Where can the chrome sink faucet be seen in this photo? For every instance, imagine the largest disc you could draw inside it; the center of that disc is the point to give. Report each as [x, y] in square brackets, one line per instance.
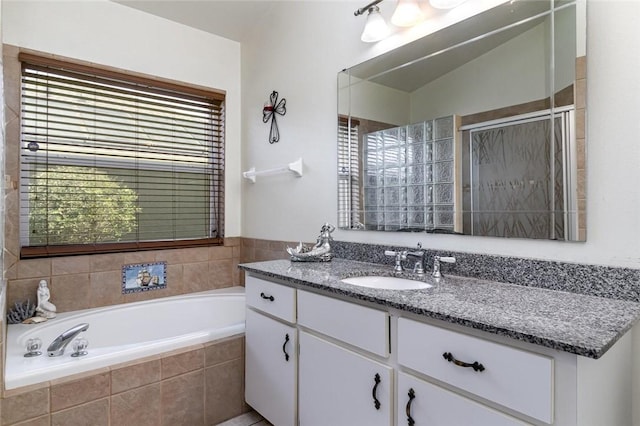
[418, 267]
[436, 264]
[56, 348]
[400, 256]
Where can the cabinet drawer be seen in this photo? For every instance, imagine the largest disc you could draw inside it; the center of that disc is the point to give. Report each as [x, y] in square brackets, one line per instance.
[427, 404]
[357, 325]
[520, 380]
[275, 299]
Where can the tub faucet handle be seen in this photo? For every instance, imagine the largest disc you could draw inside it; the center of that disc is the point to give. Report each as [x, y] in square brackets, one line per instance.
[33, 347]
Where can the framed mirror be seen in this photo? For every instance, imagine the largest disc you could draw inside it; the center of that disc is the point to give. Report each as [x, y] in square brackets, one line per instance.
[477, 129]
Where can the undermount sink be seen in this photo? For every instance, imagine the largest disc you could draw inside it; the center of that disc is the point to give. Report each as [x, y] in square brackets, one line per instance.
[387, 283]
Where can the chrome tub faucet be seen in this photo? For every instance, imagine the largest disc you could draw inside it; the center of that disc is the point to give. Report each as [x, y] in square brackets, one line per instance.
[56, 348]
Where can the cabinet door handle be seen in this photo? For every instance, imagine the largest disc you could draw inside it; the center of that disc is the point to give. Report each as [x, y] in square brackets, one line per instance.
[284, 349]
[377, 381]
[412, 396]
[475, 365]
[264, 296]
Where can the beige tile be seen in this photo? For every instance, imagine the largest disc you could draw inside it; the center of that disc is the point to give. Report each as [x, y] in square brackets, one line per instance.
[263, 244]
[232, 241]
[25, 389]
[172, 257]
[10, 265]
[71, 292]
[79, 376]
[195, 254]
[30, 268]
[70, 265]
[22, 290]
[224, 391]
[175, 283]
[139, 407]
[581, 93]
[174, 365]
[105, 288]
[581, 67]
[80, 391]
[220, 252]
[94, 413]
[107, 262]
[581, 185]
[220, 273]
[247, 254]
[136, 257]
[236, 252]
[134, 376]
[581, 154]
[25, 406]
[12, 150]
[235, 272]
[195, 276]
[182, 399]
[39, 421]
[224, 350]
[247, 242]
[581, 123]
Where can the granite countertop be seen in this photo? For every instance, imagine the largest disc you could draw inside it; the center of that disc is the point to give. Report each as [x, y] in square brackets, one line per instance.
[570, 322]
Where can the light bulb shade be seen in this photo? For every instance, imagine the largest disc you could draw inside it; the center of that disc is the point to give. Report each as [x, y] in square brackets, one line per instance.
[446, 4]
[407, 13]
[375, 29]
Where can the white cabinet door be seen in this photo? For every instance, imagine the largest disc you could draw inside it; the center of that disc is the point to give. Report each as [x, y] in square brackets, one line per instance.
[270, 377]
[338, 387]
[422, 403]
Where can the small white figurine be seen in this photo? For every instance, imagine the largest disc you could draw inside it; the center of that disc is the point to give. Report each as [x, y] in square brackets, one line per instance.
[45, 308]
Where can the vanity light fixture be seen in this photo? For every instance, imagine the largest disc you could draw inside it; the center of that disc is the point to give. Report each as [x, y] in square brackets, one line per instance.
[446, 4]
[407, 13]
[375, 29]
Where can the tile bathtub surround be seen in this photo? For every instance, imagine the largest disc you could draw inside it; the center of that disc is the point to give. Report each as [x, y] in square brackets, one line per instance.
[199, 385]
[80, 282]
[593, 280]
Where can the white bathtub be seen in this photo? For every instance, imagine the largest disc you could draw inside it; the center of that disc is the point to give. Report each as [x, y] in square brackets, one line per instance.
[125, 332]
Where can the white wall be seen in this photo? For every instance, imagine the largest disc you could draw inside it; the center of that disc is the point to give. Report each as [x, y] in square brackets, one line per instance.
[110, 34]
[322, 38]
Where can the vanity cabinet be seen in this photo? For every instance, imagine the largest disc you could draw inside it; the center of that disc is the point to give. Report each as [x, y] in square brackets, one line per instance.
[423, 403]
[271, 351]
[517, 379]
[341, 381]
[320, 360]
[341, 387]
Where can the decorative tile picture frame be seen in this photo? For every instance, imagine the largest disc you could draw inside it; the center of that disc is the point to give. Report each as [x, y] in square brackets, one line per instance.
[140, 277]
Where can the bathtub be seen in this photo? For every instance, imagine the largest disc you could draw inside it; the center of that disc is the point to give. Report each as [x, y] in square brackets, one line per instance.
[126, 332]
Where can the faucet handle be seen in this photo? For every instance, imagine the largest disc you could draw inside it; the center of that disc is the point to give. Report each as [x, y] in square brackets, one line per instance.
[436, 264]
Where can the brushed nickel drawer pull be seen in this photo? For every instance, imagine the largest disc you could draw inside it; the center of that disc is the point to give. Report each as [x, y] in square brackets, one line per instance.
[476, 365]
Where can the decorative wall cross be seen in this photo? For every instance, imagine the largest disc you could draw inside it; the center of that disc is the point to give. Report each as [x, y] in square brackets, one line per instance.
[271, 108]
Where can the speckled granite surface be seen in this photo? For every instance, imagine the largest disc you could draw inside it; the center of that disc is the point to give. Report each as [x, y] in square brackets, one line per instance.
[594, 280]
[576, 323]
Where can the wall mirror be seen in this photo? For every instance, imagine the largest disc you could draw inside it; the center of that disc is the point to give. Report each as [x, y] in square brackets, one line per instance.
[476, 129]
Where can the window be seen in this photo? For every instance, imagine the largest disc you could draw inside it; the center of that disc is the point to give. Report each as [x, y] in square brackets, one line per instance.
[348, 173]
[112, 162]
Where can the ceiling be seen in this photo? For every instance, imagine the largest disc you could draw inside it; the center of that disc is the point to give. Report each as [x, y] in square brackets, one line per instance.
[229, 19]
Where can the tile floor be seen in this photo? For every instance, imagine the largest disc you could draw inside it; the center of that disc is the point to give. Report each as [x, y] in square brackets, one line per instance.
[247, 419]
